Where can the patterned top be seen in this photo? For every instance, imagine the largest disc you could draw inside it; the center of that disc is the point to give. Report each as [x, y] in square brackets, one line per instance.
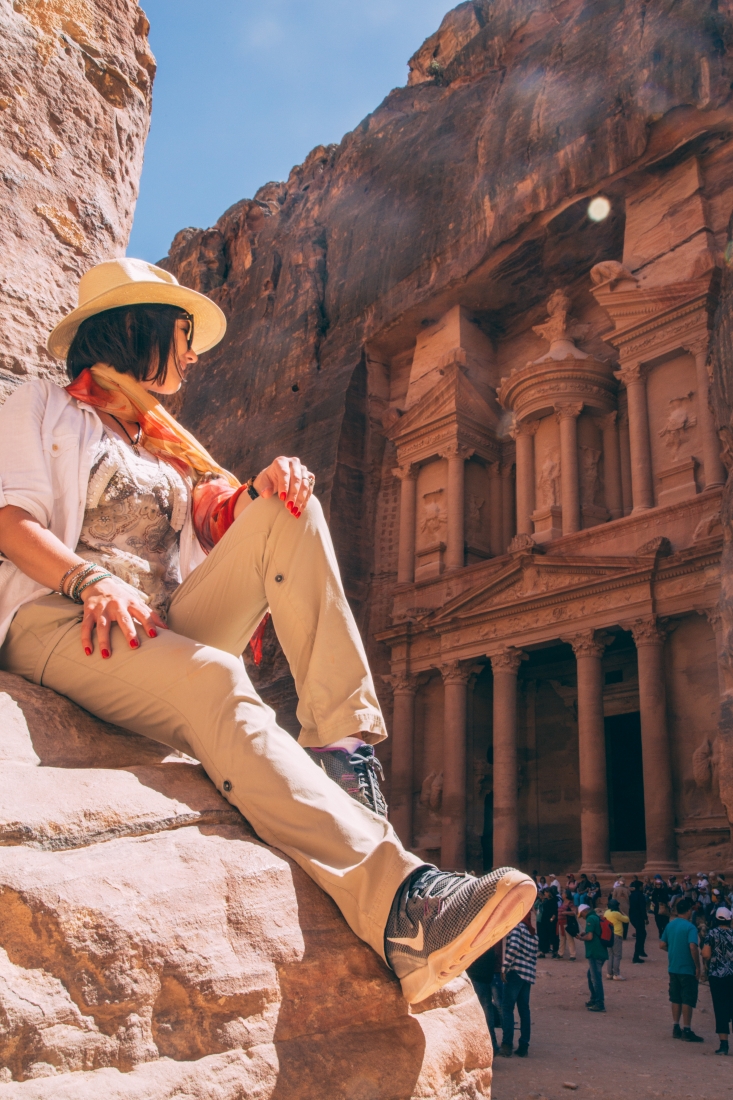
[520, 953]
[721, 961]
[135, 509]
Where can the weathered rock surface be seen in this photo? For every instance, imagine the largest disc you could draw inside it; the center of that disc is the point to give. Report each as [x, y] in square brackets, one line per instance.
[152, 947]
[75, 95]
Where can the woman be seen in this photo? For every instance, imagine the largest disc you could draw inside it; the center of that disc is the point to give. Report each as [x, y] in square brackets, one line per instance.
[137, 570]
[547, 923]
[717, 951]
[619, 922]
[567, 926]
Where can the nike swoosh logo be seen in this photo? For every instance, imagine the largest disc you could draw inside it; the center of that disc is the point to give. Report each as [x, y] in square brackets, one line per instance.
[416, 943]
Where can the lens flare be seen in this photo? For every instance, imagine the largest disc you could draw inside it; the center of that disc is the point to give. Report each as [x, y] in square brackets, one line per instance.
[599, 209]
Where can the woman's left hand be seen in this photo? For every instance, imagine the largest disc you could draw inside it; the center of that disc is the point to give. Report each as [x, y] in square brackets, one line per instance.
[290, 479]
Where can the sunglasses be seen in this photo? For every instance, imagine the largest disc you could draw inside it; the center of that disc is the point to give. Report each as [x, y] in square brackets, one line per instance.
[188, 317]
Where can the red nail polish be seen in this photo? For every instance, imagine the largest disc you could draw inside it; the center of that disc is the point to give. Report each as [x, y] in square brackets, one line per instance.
[134, 643]
[153, 633]
[283, 496]
[105, 653]
[298, 514]
[87, 650]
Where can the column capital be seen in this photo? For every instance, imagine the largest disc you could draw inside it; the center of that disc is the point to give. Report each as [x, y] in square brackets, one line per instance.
[568, 410]
[608, 421]
[526, 427]
[630, 374]
[698, 345]
[647, 632]
[713, 616]
[402, 683]
[406, 472]
[457, 450]
[507, 660]
[506, 469]
[588, 643]
[456, 672]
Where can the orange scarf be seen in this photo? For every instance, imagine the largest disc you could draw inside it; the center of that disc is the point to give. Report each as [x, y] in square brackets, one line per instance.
[122, 396]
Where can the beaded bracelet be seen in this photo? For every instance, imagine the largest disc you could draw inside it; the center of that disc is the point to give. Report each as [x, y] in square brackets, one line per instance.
[66, 576]
[76, 581]
[93, 580]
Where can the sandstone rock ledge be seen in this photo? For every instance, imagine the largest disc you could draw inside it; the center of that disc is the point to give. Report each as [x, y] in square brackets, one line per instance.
[151, 947]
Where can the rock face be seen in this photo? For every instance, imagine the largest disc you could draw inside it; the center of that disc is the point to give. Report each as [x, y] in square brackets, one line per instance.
[75, 96]
[152, 947]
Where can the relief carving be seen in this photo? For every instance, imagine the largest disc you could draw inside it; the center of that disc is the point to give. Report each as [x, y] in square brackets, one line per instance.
[434, 515]
[431, 792]
[679, 422]
[548, 483]
[706, 764]
[590, 481]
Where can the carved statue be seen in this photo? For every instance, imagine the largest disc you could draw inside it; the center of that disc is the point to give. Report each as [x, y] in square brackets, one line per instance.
[434, 516]
[560, 330]
[706, 764]
[548, 483]
[589, 477]
[678, 423]
[431, 792]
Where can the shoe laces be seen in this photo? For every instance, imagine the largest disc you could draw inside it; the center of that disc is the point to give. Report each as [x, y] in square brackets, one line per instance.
[435, 887]
[366, 765]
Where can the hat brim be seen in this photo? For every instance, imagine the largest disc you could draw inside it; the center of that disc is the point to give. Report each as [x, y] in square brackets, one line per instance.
[209, 321]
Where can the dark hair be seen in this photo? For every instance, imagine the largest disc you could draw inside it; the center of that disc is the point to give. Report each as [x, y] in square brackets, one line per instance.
[684, 905]
[135, 340]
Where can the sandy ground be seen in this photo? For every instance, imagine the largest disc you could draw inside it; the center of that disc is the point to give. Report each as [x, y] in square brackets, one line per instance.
[626, 1053]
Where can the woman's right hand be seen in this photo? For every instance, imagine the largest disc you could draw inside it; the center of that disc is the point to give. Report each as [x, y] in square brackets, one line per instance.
[112, 601]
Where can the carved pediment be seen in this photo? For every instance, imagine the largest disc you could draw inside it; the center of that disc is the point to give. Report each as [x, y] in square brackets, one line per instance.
[527, 580]
[452, 402]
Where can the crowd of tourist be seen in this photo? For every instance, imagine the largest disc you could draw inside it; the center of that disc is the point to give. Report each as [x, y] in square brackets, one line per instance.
[693, 919]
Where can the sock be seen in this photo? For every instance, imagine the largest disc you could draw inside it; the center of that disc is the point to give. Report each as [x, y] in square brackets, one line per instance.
[350, 744]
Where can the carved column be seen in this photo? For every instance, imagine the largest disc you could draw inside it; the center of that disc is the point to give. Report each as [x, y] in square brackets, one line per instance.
[453, 843]
[642, 482]
[524, 435]
[404, 689]
[498, 546]
[505, 666]
[567, 416]
[661, 846]
[624, 447]
[455, 552]
[507, 505]
[714, 617]
[612, 466]
[406, 547]
[714, 469]
[594, 830]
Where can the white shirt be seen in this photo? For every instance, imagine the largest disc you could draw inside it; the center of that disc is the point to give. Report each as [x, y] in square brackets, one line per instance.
[47, 440]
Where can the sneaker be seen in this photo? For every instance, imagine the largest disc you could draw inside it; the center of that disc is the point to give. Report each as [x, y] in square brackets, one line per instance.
[676, 1032]
[723, 1048]
[618, 978]
[356, 772]
[596, 1008]
[505, 1050]
[589, 1004]
[440, 922]
[689, 1036]
[522, 1050]
[641, 961]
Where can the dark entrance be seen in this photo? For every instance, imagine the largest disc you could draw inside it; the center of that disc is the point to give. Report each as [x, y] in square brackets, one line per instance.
[487, 838]
[625, 782]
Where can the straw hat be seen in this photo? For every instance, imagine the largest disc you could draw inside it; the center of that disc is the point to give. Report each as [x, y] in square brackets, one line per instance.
[127, 282]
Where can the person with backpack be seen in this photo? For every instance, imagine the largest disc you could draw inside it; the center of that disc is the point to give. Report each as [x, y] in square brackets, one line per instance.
[718, 951]
[619, 922]
[567, 926]
[596, 953]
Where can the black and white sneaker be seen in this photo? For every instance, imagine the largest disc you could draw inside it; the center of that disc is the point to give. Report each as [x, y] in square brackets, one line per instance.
[356, 773]
[440, 922]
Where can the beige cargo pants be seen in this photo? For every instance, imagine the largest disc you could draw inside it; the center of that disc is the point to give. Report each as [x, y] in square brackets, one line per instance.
[189, 689]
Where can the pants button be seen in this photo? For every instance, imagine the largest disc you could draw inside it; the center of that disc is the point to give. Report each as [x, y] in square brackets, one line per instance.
[278, 577]
[227, 786]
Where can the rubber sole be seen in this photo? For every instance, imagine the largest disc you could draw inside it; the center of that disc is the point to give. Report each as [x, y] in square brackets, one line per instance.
[514, 896]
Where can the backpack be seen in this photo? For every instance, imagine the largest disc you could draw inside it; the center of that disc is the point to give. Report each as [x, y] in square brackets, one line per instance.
[606, 932]
[571, 925]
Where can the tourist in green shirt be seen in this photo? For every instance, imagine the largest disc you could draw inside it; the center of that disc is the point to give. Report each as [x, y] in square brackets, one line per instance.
[596, 954]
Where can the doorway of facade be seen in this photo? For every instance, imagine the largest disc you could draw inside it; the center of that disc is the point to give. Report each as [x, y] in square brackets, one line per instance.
[625, 782]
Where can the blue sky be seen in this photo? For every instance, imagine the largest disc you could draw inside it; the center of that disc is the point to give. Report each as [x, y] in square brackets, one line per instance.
[246, 89]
